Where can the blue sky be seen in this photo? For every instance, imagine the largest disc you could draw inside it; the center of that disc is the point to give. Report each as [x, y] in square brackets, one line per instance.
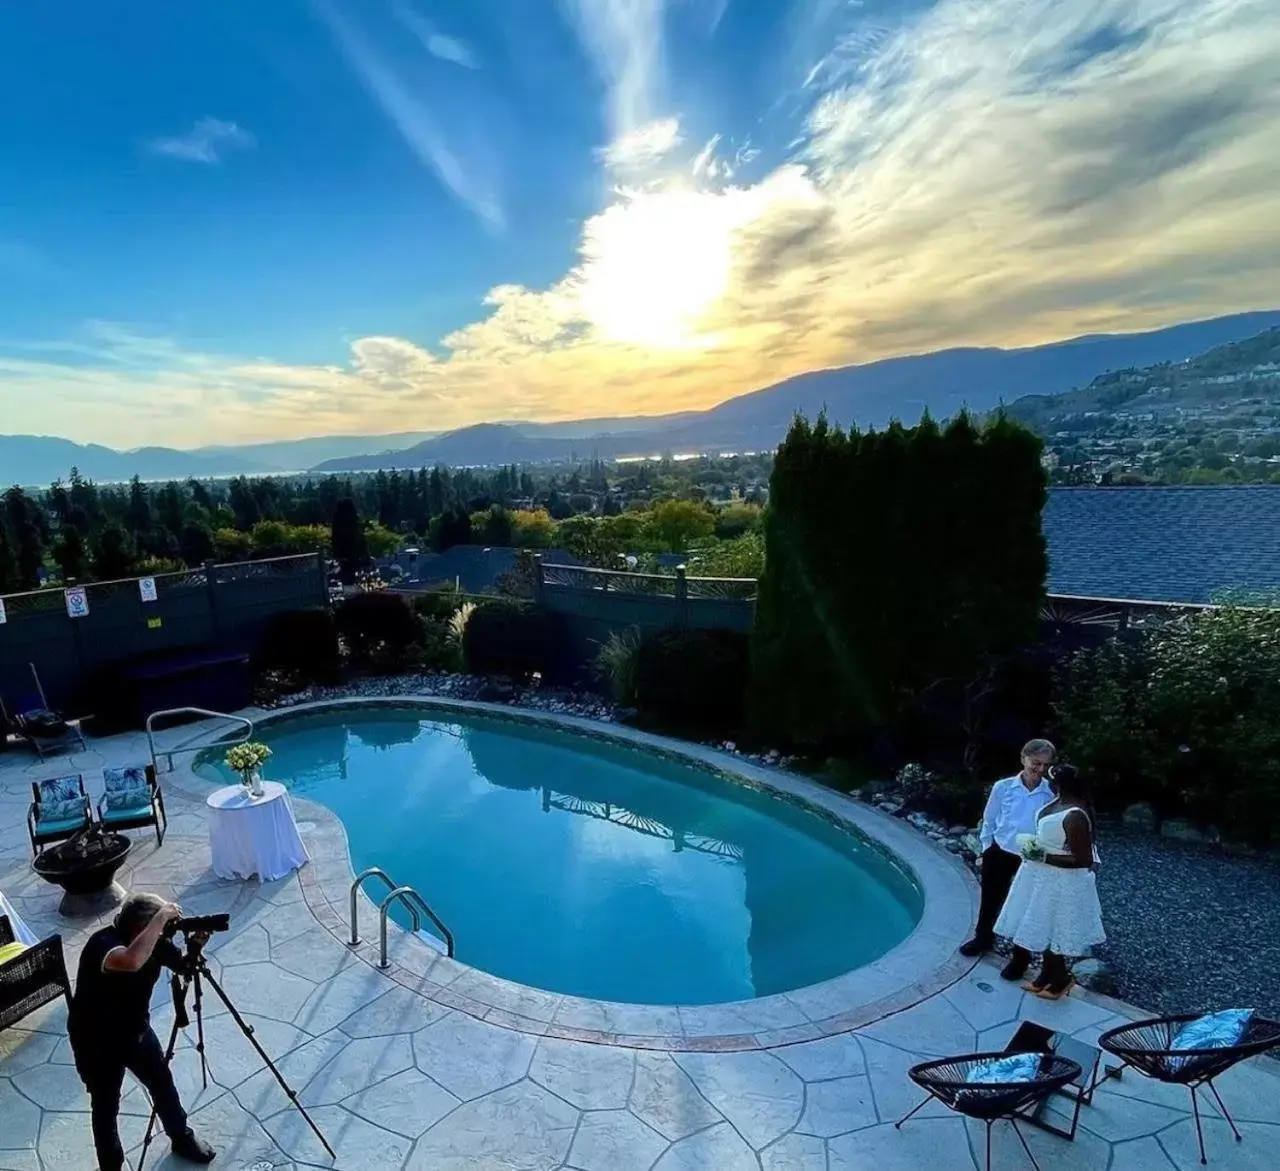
[234, 221]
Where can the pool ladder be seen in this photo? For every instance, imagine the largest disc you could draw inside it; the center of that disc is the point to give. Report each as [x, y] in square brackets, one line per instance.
[408, 898]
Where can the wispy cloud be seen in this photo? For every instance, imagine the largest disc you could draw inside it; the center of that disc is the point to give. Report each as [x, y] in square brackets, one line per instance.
[208, 141]
[640, 148]
[411, 117]
[624, 40]
[438, 44]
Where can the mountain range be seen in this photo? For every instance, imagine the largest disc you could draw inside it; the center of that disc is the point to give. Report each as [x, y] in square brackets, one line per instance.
[866, 395]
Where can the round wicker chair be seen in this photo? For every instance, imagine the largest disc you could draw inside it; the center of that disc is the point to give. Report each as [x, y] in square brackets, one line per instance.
[944, 1081]
[1147, 1046]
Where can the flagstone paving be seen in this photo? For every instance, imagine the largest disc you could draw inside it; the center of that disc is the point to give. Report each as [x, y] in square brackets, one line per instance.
[400, 1080]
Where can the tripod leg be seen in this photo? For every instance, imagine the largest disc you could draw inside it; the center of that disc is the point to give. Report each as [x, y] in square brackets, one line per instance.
[168, 1057]
[247, 1030]
[204, 1065]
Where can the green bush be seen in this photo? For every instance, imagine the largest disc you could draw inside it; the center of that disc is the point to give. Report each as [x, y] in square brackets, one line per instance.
[440, 647]
[509, 640]
[379, 629]
[693, 680]
[1184, 717]
[616, 662]
[304, 642]
[440, 604]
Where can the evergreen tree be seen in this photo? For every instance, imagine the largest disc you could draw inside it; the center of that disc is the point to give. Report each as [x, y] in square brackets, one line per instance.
[71, 555]
[113, 553]
[346, 538]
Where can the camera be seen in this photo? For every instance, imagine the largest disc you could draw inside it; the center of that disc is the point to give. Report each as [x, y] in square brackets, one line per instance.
[193, 923]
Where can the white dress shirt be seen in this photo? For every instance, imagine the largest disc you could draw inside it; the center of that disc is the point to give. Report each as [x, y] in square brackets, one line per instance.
[1011, 810]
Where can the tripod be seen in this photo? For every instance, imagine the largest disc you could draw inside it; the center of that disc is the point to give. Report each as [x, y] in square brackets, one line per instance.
[196, 975]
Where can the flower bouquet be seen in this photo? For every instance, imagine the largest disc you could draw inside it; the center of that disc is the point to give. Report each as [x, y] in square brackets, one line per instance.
[1030, 848]
[247, 760]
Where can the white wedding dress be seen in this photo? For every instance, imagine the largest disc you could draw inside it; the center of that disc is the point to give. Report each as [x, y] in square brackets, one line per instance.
[1050, 908]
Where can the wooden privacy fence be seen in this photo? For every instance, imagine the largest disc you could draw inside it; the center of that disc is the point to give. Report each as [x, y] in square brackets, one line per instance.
[70, 634]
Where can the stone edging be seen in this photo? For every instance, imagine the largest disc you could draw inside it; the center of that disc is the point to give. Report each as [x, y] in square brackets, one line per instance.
[919, 967]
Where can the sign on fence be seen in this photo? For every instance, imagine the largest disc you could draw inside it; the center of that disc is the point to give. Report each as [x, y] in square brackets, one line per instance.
[77, 603]
[3, 616]
[147, 588]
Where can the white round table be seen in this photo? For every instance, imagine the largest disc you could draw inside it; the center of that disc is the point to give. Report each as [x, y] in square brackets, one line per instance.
[254, 835]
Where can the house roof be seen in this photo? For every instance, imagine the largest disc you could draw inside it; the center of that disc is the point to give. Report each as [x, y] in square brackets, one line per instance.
[1169, 544]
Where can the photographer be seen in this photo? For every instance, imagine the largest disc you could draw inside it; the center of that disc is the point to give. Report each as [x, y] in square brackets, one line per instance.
[110, 1026]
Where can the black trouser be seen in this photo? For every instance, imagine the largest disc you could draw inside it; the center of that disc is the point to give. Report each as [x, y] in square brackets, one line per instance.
[101, 1064]
[998, 869]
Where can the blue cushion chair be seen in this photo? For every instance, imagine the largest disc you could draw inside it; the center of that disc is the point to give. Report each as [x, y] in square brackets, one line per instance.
[59, 808]
[1192, 1050]
[989, 1087]
[131, 799]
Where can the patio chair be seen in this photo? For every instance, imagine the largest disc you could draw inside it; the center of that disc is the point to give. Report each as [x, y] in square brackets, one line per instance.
[132, 799]
[989, 1101]
[32, 978]
[28, 709]
[60, 808]
[1151, 1047]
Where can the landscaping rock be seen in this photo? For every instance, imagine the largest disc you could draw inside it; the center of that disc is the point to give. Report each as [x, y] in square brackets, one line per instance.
[973, 844]
[1140, 817]
[1095, 975]
[1185, 831]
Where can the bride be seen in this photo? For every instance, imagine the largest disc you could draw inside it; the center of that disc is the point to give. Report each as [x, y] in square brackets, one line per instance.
[1053, 904]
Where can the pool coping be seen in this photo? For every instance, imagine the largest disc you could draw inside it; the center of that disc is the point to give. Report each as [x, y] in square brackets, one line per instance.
[920, 966]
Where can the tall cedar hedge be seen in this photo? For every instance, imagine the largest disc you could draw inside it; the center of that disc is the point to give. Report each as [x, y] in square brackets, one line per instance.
[894, 559]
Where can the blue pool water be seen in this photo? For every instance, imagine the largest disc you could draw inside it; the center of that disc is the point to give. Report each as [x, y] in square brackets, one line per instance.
[591, 868]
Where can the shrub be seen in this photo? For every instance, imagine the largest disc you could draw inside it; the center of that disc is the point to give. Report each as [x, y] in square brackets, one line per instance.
[509, 640]
[439, 604]
[693, 680]
[616, 665]
[441, 650]
[1184, 717]
[378, 627]
[304, 642]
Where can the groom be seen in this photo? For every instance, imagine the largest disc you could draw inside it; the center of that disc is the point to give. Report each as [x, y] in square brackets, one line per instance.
[1011, 810]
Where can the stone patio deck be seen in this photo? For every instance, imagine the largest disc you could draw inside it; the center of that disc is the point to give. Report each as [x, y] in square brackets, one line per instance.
[412, 1070]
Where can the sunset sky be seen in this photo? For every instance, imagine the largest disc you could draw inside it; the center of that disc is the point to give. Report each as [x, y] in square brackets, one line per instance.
[235, 220]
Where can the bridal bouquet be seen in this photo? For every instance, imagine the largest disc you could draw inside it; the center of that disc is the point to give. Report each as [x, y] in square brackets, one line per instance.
[1030, 848]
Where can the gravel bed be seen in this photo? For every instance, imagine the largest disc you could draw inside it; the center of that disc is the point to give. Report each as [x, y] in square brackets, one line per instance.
[1189, 927]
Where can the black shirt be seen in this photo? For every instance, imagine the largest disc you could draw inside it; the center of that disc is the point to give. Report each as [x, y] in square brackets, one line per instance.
[115, 1005]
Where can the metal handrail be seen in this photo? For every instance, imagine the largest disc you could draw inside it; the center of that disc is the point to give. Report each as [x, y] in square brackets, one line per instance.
[403, 894]
[356, 884]
[193, 711]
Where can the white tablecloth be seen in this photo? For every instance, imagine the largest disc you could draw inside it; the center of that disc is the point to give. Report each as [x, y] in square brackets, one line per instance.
[21, 932]
[254, 836]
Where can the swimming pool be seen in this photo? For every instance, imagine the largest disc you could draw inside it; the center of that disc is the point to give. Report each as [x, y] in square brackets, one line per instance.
[591, 868]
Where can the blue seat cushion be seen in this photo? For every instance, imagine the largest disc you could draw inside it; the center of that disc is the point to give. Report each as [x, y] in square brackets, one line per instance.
[48, 812]
[1018, 1067]
[59, 789]
[1214, 1030]
[126, 789]
[121, 812]
[59, 825]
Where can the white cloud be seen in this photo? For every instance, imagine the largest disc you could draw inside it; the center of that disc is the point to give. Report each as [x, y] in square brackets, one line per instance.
[208, 141]
[439, 45]
[411, 117]
[641, 148]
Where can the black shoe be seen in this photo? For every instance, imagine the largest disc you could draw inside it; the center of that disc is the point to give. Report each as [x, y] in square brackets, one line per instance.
[1017, 966]
[975, 947]
[194, 1150]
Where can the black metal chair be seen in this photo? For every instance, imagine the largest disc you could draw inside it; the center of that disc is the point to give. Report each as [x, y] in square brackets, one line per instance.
[59, 808]
[31, 979]
[132, 800]
[1147, 1046]
[945, 1081]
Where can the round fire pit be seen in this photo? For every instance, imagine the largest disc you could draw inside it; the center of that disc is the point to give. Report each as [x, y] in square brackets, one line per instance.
[85, 867]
